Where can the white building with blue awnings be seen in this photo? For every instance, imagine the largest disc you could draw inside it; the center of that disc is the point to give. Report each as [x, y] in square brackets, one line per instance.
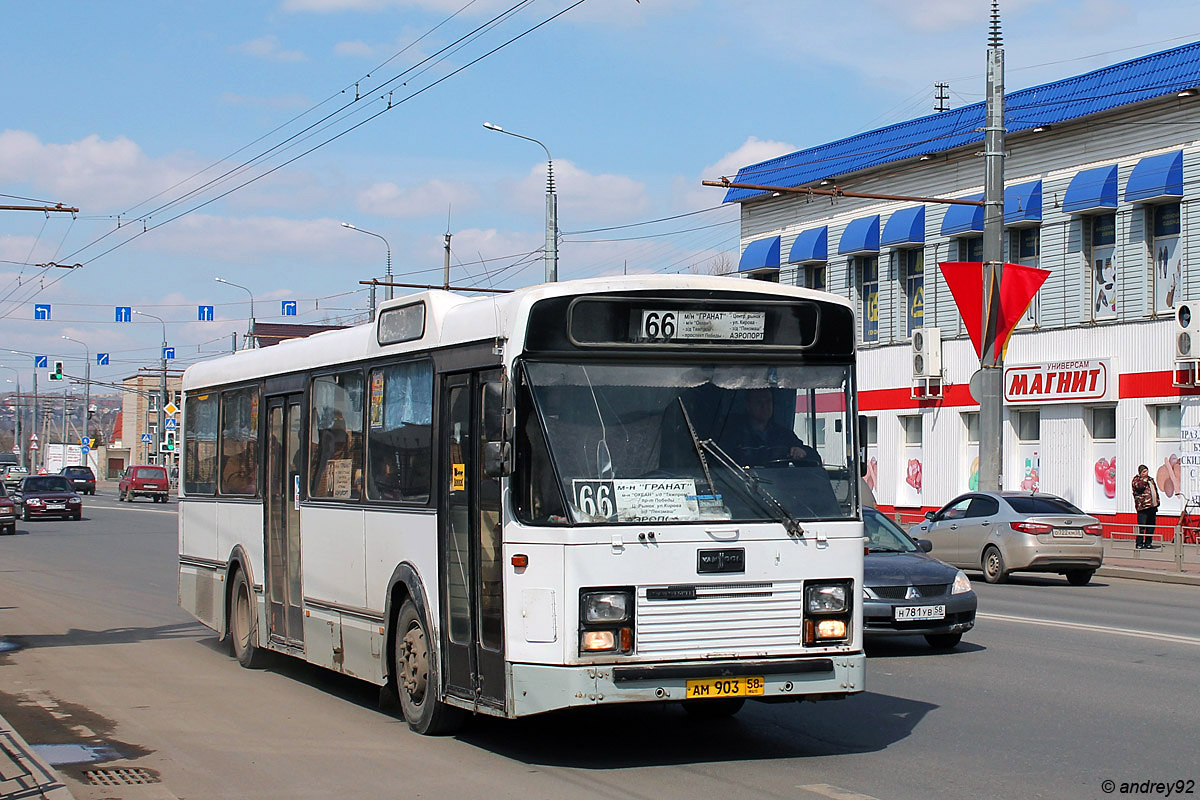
[1102, 181]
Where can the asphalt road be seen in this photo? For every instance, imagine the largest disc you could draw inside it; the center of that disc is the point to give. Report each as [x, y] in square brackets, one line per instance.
[1056, 690]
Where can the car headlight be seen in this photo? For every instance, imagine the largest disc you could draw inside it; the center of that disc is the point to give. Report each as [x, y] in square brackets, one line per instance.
[72, 499]
[825, 599]
[962, 583]
[34, 501]
[606, 621]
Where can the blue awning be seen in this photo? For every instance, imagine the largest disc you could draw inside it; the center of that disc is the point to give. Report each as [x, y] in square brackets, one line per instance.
[760, 254]
[860, 236]
[906, 226]
[963, 219]
[1156, 178]
[1023, 204]
[1092, 190]
[810, 245]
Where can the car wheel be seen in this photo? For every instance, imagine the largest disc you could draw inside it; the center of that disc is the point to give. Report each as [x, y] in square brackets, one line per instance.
[243, 624]
[943, 641]
[11, 530]
[1080, 577]
[78, 516]
[417, 679]
[993, 565]
[25, 515]
[714, 709]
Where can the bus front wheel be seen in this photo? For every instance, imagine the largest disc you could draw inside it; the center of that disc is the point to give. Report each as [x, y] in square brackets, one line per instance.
[416, 677]
[243, 624]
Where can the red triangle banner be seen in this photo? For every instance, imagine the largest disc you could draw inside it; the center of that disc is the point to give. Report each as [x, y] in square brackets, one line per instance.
[1018, 285]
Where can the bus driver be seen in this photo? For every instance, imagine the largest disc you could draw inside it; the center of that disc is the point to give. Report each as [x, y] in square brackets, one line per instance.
[756, 438]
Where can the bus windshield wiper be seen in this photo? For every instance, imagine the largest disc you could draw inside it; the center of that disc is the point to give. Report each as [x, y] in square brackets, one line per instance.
[753, 485]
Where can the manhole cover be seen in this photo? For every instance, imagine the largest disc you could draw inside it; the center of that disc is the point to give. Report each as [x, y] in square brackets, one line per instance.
[120, 776]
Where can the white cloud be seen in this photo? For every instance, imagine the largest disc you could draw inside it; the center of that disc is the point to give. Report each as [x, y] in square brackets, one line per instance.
[433, 197]
[269, 49]
[581, 195]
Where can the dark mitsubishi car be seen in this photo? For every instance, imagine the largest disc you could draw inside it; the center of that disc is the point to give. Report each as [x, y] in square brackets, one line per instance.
[82, 478]
[48, 496]
[908, 592]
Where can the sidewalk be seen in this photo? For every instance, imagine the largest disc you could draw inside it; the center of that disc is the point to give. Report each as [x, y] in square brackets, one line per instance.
[23, 773]
[1123, 560]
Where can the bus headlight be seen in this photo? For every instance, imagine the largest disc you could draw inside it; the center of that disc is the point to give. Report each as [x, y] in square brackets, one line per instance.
[828, 608]
[606, 607]
[606, 621]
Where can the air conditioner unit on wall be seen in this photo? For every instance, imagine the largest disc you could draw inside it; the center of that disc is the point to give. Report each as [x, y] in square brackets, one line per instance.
[1187, 342]
[927, 353]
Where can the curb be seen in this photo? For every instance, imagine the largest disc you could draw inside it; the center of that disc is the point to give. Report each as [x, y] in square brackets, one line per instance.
[1157, 575]
[23, 773]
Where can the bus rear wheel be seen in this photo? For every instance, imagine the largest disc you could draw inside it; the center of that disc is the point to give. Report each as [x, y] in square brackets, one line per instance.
[416, 677]
[243, 624]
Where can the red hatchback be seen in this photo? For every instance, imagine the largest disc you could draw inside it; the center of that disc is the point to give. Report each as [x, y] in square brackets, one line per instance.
[144, 480]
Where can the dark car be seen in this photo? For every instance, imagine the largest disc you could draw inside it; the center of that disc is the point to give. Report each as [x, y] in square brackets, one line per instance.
[8, 512]
[144, 480]
[908, 592]
[48, 496]
[82, 478]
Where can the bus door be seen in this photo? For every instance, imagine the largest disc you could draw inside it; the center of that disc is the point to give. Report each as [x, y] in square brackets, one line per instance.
[285, 597]
[470, 542]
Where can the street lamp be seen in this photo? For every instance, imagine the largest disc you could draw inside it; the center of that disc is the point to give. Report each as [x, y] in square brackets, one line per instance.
[16, 413]
[162, 400]
[250, 337]
[87, 386]
[551, 205]
[389, 288]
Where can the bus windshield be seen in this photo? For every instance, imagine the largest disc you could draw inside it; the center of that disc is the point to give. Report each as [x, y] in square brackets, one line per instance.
[671, 442]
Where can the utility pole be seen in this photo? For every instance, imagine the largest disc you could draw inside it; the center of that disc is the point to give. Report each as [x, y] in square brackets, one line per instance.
[446, 266]
[991, 400]
[941, 97]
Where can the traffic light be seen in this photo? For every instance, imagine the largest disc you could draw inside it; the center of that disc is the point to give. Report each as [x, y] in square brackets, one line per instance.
[57, 374]
[168, 445]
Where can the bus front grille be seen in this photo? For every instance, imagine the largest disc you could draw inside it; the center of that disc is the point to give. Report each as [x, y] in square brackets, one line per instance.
[719, 619]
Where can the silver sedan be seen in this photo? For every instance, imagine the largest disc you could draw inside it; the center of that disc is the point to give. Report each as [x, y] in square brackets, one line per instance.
[1005, 532]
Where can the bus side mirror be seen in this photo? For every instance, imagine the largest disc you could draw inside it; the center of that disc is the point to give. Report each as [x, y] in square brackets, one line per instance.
[497, 459]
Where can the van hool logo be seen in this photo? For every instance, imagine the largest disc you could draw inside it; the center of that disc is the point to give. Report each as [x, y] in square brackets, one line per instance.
[1057, 381]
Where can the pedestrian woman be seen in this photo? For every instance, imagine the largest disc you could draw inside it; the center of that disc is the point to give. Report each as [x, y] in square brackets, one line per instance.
[1145, 502]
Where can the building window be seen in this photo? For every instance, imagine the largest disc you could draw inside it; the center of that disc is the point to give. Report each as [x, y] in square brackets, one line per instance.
[1024, 247]
[1101, 236]
[814, 276]
[1167, 422]
[971, 420]
[970, 248]
[871, 444]
[1166, 467]
[868, 268]
[914, 287]
[1102, 425]
[152, 405]
[910, 483]
[971, 474]
[1027, 425]
[1165, 250]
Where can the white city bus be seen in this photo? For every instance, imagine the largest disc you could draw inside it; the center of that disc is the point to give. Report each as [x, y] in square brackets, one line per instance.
[507, 505]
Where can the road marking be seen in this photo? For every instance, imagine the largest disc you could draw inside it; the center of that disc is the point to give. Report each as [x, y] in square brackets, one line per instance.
[1081, 626]
[119, 508]
[835, 792]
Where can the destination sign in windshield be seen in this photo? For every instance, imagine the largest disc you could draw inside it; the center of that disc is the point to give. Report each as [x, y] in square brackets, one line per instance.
[667, 325]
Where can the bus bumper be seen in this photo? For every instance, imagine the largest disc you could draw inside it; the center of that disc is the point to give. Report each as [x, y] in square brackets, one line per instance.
[537, 688]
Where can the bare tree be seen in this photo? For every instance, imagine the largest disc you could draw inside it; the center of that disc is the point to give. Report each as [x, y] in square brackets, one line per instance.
[720, 264]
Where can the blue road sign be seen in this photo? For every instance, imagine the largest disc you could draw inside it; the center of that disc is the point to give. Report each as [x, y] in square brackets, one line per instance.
[40, 362]
[41, 311]
[101, 359]
[168, 353]
[124, 313]
[204, 313]
[289, 308]
[170, 424]
[146, 438]
[84, 450]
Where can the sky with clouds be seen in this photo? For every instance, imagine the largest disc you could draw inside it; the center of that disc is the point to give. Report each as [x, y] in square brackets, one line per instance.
[230, 140]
